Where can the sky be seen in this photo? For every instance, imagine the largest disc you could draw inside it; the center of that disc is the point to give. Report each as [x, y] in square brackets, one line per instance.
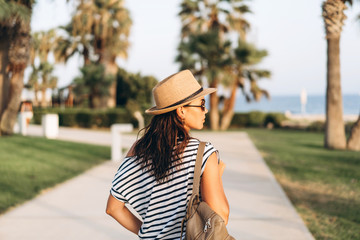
[291, 31]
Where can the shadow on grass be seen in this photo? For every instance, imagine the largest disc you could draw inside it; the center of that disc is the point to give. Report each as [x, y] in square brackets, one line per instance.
[329, 210]
[312, 146]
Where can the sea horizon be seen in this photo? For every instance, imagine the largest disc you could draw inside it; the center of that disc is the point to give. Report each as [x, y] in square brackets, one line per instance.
[290, 103]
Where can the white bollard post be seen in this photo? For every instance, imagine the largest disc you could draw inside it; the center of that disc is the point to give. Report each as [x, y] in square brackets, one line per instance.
[139, 117]
[50, 125]
[303, 100]
[116, 146]
[22, 123]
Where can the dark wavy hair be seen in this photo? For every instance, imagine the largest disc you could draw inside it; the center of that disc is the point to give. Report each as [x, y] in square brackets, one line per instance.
[162, 145]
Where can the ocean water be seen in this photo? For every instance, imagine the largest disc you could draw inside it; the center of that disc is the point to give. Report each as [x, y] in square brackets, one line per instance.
[315, 104]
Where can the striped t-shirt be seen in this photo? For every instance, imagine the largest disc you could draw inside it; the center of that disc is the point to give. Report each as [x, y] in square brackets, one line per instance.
[162, 206]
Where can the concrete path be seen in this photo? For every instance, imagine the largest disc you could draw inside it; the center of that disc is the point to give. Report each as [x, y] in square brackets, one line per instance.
[259, 209]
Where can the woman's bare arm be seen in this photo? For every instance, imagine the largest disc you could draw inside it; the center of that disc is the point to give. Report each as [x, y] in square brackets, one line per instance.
[212, 191]
[120, 212]
[122, 215]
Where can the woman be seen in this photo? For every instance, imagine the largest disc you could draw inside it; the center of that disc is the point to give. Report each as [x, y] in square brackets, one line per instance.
[156, 176]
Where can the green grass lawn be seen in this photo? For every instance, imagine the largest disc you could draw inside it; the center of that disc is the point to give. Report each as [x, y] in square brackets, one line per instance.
[323, 185]
[29, 165]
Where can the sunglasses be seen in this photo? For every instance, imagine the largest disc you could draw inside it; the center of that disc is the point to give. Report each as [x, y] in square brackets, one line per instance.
[202, 106]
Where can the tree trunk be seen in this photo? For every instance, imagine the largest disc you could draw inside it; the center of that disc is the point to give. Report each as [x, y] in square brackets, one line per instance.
[214, 112]
[86, 56]
[214, 108]
[334, 127]
[14, 55]
[4, 75]
[36, 99]
[354, 139]
[97, 102]
[111, 69]
[91, 102]
[43, 97]
[229, 109]
[9, 117]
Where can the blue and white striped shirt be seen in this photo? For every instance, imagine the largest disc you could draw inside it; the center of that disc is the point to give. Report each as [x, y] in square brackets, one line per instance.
[162, 206]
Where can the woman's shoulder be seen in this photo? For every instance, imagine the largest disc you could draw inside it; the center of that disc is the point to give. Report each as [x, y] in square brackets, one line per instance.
[131, 152]
[193, 146]
[209, 150]
[127, 162]
[196, 141]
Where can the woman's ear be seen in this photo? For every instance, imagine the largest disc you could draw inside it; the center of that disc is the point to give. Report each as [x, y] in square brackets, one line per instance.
[180, 112]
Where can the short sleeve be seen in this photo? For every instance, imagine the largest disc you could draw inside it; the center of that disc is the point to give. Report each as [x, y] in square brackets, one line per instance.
[117, 195]
[209, 149]
[118, 181]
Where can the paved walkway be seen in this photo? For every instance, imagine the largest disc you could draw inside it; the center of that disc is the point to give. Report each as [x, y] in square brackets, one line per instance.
[259, 209]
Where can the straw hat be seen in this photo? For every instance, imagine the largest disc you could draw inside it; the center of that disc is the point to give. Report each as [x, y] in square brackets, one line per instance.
[175, 91]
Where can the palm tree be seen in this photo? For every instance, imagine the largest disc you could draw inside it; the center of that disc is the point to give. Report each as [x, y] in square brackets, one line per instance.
[240, 69]
[111, 38]
[14, 55]
[206, 48]
[99, 30]
[201, 16]
[93, 85]
[334, 16]
[33, 84]
[42, 44]
[74, 40]
[43, 73]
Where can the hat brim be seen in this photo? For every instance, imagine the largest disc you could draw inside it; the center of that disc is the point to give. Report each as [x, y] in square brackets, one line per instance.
[157, 111]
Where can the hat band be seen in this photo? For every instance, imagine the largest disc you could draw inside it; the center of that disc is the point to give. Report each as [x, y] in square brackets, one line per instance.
[185, 99]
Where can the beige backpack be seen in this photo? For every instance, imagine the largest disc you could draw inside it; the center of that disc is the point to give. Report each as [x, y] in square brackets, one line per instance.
[201, 221]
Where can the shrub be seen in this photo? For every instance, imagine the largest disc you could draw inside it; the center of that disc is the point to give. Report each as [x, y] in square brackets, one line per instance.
[275, 119]
[67, 119]
[119, 115]
[240, 120]
[256, 119]
[317, 126]
[37, 113]
[85, 119]
[100, 119]
[253, 119]
[348, 127]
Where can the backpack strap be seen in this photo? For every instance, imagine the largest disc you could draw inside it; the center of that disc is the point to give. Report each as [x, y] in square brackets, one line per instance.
[197, 171]
[196, 183]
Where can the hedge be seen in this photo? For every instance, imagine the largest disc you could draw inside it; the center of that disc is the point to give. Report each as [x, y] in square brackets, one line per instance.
[319, 126]
[89, 118]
